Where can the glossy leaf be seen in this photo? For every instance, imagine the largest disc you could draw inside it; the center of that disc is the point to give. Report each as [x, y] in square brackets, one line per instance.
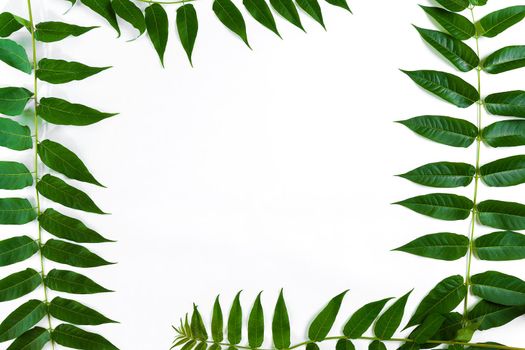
[490, 315]
[502, 215]
[312, 346]
[507, 133]
[198, 329]
[344, 344]
[504, 60]
[16, 211]
[14, 55]
[61, 112]
[261, 12]
[217, 323]
[16, 249]
[68, 228]
[363, 318]
[55, 31]
[231, 17]
[13, 100]
[19, 284]
[340, 3]
[428, 328]
[235, 321]
[281, 324]
[457, 25]
[504, 172]
[511, 104]
[60, 71]
[34, 339]
[9, 24]
[442, 174]
[61, 159]
[157, 25]
[500, 246]
[22, 319]
[256, 324]
[323, 322]
[57, 190]
[73, 337]
[499, 288]
[389, 321]
[14, 176]
[497, 22]
[478, 2]
[187, 26]
[450, 327]
[441, 246]
[72, 282]
[377, 345]
[74, 312]
[104, 9]
[71, 254]
[445, 130]
[454, 5]
[287, 9]
[447, 86]
[312, 8]
[442, 206]
[129, 12]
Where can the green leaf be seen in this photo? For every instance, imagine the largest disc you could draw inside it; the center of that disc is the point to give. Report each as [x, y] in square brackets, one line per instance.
[377, 345]
[231, 17]
[187, 26]
[390, 320]
[281, 324]
[363, 318]
[312, 346]
[55, 31]
[455, 51]
[217, 324]
[157, 25]
[16, 249]
[198, 329]
[478, 2]
[441, 246]
[22, 319]
[499, 288]
[447, 86]
[507, 133]
[235, 321]
[502, 215]
[9, 24]
[500, 246]
[496, 22]
[428, 328]
[490, 315]
[57, 190]
[450, 327]
[104, 9]
[129, 12]
[287, 9]
[511, 104]
[16, 211]
[74, 312]
[312, 8]
[443, 298]
[454, 5]
[61, 112]
[323, 322]
[14, 176]
[442, 206]
[73, 337]
[442, 174]
[71, 254]
[340, 3]
[261, 12]
[445, 130]
[60, 72]
[13, 100]
[34, 339]
[61, 159]
[410, 346]
[344, 344]
[457, 25]
[68, 228]
[14, 55]
[19, 284]
[256, 324]
[504, 60]
[504, 172]
[72, 282]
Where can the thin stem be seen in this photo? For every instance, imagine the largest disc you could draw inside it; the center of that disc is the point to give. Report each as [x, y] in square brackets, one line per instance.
[35, 121]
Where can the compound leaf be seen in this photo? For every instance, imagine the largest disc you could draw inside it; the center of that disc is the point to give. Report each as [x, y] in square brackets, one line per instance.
[441, 246]
[442, 206]
[76, 338]
[71, 254]
[74, 312]
[390, 320]
[442, 174]
[60, 71]
[55, 31]
[323, 322]
[72, 282]
[363, 318]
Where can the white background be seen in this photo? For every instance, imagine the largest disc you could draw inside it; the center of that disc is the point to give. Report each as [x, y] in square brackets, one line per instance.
[260, 170]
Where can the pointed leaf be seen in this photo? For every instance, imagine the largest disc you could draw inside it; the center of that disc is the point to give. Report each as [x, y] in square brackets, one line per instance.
[22, 319]
[187, 26]
[13, 100]
[504, 172]
[129, 12]
[281, 324]
[323, 322]
[9, 24]
[16, 249]
[256, 324]
[507, 133]
[15, 136]
[55, 31]
[344, 344]
[235, 321]
[427, 329]
[198, 329]
[287, 9]
[454, 5]
[16, 211]
[340, 3]
[496, 22]
[73, 337]
[217, 324]
[502, 215]
[261, 12]
[14, 176]
[157, 25]
[442, 246]
[499, 288]
[511, 104]
[14, 55]
[231, 17]
[61, 112]
[104, 9]
[450, 327]
[60, 72]
[72, 282]
[490, 315]
[312, 8]
[390, 320]
[442, 206]
[457, 25]
[363, 318]
[377, 345]
[442, 174]
[74, 312]
[504, 60]
[34, 339]
[500, 246]
[19, 284]
[71, 254]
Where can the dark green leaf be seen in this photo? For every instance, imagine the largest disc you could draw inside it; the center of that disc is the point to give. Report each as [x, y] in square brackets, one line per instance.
[235, 321]
[129, 12]
[104, 9]
[57, 190]
[499, 288]
[13, 100]
[71, 254]
[446, 130]
[390, 320]
[14, 55]
[454, 5]
[442, 246]
[511, 104]
[55, 31]
[72, 282]
[410, 346]
[340, 3]
[377, 345]
[16, 211]
[442, 206]
[157, 25]
[457, 25]
[312, 8]
[428, 328]
[507, 133]
[14, 176]
[344, 344]
[508, 58]
[19, 284]
[478, 2]
[231, 17]
[9, 24]
[498, 21]
[201, 346]
[65, 227]
[287, 9]
[76, 338]
[61, 159]
[312, 346]
[256, 324]
[60, 72]
[34, 339]
[73, 312]
[16, 249]
[198, 329]
[363, 318]
[447, 86]
[260, 10]
[450, 327]
[22, 319]
[500, 246]
[502, 215]
[61, 112]
[324, 321]
[281, 324]
[189, 345]
[187, 26]
[504, 172]
[217, 324]
[490, 315]
[442, 174]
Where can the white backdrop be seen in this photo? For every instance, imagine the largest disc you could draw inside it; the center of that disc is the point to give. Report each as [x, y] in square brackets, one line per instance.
[260, 170]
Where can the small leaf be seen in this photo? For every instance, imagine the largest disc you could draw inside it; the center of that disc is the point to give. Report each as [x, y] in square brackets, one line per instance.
[457, 25]
[504, 172]
[287, 9]
[34, 339]
[14, 55]
[261, 12]
[13, 100]
[427, 329]
[344, 344]
[363, 318]
[14, 176]
[499, 288]
[61, 159]
[445, 130]
[60, 72]
[217, 324]
[511, 104]
[377, 345]
[72, 282]
[507, 133]
[454, 5]
[68, 228]
[478, 2]
[129, 12]
[57, 190]
[19, 284]
[490, 315]
[231, 17]
[16, 211]
[198, 329]
[281, 324]
[496, 22]
[504, 60]
[256, 324]
[312, 8]
[157, 25]
[340, 3]
[16, 249]
[73, 337]
[500, 246]
[502, 215]
[74, 312]
[450, 327]
[442, 206]
[104, 9]
[390, 320]
[441, 246]
[447, 86]
[187, 26]
[235, 321]
[71, 254]
[22, 319]
[9, 24]
[61, 112]
[442, 174]
[55, 31]
[312, 346]
[323, 322]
